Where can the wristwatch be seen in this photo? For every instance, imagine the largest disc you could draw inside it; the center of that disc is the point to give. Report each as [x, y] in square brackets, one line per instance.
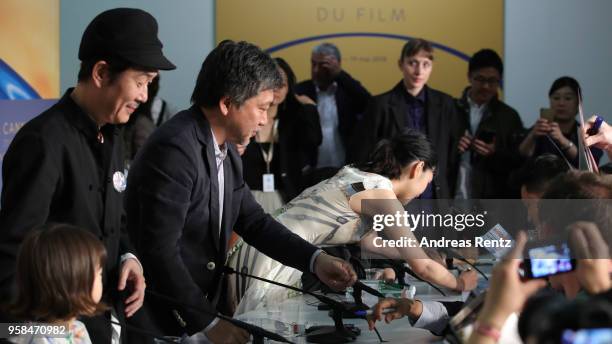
[569, 145]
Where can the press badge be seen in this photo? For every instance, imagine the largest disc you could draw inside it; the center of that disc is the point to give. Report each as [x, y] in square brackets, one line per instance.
[268, 182]
[119, 181]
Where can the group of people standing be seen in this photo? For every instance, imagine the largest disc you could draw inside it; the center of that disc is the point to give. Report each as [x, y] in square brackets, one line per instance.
[480, 141]
[184, 195]
[253, 140]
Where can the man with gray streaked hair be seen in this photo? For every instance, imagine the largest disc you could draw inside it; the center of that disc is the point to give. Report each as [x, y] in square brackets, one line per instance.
[327, 49]
[340, 100]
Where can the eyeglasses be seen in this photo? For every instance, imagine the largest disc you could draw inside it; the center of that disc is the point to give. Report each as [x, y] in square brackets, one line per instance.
[490, 81]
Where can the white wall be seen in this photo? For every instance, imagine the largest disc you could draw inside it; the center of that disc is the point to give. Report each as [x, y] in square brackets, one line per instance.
[186, 29]
[546, 39]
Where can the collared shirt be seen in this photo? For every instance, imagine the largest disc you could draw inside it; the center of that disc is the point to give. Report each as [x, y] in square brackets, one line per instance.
[476, 113]
[331, 151]
[416, 118]
[464, 186]
[220, 155]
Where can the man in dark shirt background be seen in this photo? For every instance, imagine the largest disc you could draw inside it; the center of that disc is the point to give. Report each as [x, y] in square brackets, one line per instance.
[412, 104]
[491, 131]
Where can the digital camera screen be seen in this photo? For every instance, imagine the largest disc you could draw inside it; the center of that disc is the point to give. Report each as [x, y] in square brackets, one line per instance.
[587, 336]
[550, 260]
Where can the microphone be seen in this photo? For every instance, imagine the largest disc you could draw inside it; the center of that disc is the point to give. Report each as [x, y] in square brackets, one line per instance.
[316, 334]
[404, 268]
[257, 332]
[454, 254]
[354, 309]
[361, 286]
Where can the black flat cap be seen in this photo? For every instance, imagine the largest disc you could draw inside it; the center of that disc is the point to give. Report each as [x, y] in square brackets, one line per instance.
[128, 33]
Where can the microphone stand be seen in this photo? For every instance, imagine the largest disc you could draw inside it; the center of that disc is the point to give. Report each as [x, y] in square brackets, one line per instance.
[338, 333]
[257, 332]
[352, 307]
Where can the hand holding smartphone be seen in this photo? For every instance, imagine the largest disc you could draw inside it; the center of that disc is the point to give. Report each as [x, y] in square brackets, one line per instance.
[486, 136]
[547, 259]
[547, 114]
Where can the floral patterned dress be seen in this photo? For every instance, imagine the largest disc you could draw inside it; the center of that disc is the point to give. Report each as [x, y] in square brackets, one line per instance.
[322, 216]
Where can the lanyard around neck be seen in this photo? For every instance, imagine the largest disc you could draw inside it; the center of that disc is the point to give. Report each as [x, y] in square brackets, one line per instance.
[267, 156]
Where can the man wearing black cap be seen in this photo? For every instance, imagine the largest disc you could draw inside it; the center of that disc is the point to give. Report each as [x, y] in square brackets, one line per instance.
[66, 165]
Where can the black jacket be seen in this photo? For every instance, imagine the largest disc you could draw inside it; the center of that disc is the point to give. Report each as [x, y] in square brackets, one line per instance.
[299, 136]
[172, 210]
[55, 170]
[489, 176]
[351, 99]
[385, 118]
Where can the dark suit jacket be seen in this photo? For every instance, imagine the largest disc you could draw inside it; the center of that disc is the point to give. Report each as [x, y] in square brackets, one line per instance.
[351, 99]
[385, 118]
[172, 210]
[489, 176]
[56, 171]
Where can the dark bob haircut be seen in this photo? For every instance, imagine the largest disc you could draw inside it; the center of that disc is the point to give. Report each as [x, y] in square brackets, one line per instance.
[565, 81]
[56, 267]
[390, 156]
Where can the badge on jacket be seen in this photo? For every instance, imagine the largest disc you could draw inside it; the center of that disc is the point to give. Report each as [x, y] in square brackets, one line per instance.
[119, 181]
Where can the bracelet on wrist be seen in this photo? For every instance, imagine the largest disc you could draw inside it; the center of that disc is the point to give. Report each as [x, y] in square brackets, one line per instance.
[487, 330]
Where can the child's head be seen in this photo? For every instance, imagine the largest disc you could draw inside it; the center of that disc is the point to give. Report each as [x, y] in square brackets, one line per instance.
[59, 274]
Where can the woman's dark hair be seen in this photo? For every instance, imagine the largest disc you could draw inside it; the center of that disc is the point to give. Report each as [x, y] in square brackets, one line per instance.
[547, 315]
[290, 101]
[390, 156]
[537, 318]
[578, 196]
[565, 81]
[538, 172]
[56, 267]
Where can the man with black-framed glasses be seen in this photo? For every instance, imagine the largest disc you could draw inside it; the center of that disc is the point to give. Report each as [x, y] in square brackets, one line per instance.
[490, 132]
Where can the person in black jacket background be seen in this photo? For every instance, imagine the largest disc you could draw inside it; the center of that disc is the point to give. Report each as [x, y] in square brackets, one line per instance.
[66, 165]
[186, 192]
[413, 104]
[341, 101]
[294, 131]
[491, 132]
